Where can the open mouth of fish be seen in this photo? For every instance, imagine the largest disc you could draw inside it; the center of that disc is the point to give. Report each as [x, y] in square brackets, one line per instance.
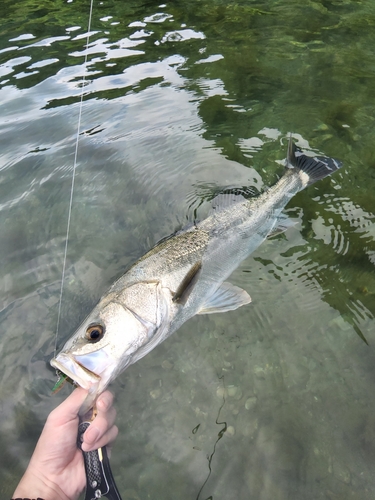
[79, 370]
[73, 369]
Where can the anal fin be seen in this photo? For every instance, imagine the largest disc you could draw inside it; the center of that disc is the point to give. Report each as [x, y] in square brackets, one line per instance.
[226, 298]
[282, 224]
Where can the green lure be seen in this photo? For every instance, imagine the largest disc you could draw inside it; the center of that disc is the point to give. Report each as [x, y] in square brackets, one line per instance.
[61, 381]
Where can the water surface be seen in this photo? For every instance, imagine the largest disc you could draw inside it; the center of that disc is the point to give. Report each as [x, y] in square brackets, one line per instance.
[180, 100]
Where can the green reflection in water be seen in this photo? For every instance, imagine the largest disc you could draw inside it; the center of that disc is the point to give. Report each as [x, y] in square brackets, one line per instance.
[176, 94]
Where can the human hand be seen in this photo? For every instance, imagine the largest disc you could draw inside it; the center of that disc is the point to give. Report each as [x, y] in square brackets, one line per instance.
[56, 469]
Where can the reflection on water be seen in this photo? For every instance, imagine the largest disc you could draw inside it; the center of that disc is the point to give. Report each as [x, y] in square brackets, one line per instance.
[181, 102]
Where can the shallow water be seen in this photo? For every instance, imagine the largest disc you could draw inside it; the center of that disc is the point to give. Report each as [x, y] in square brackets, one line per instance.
[180, 100]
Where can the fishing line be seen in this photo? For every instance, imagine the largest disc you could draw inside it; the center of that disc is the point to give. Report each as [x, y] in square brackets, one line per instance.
[73, 177]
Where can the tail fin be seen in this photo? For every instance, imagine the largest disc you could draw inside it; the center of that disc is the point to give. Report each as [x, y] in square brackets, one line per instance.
[316, 167]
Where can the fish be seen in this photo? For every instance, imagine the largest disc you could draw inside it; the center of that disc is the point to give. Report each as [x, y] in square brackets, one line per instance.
[180, 277]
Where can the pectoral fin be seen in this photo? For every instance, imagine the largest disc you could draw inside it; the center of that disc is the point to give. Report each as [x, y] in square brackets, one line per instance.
[226, 298]
[187, 284]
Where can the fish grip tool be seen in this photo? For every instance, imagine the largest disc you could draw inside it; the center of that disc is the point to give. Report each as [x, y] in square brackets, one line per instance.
[99, 479]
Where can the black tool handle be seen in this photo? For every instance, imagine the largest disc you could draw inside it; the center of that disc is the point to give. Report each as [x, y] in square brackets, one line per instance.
[99, 478]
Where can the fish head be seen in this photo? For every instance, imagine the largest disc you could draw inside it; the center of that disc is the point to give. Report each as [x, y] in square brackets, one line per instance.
[111, 338]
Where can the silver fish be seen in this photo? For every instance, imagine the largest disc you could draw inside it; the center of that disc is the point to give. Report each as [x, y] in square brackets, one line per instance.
[180, 277]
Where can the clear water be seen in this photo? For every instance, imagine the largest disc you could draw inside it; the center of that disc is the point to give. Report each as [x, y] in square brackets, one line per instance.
[274, 400]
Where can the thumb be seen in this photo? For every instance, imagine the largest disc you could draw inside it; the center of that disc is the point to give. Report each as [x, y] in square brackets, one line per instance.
[68, 409]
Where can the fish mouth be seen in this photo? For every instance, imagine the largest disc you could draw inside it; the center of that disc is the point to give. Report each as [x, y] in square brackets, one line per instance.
[81, 376]
[75, 370]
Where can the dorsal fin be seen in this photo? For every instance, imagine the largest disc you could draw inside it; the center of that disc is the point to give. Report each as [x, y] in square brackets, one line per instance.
[228, 197]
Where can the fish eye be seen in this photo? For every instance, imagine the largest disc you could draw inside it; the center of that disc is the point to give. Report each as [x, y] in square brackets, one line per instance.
[94, 333]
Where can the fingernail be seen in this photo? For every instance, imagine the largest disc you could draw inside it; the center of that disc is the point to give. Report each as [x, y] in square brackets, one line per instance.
[91, 435]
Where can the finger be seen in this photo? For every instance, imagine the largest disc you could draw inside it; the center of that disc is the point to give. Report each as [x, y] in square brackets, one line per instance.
[68, 409]
[107, 439]
[104, 419]
[104, 401]
[99, 426]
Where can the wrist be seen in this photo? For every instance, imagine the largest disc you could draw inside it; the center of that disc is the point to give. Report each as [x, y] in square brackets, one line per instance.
[33, 486]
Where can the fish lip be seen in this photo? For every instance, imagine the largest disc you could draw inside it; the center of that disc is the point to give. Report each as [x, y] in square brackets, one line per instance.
[75, 370]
